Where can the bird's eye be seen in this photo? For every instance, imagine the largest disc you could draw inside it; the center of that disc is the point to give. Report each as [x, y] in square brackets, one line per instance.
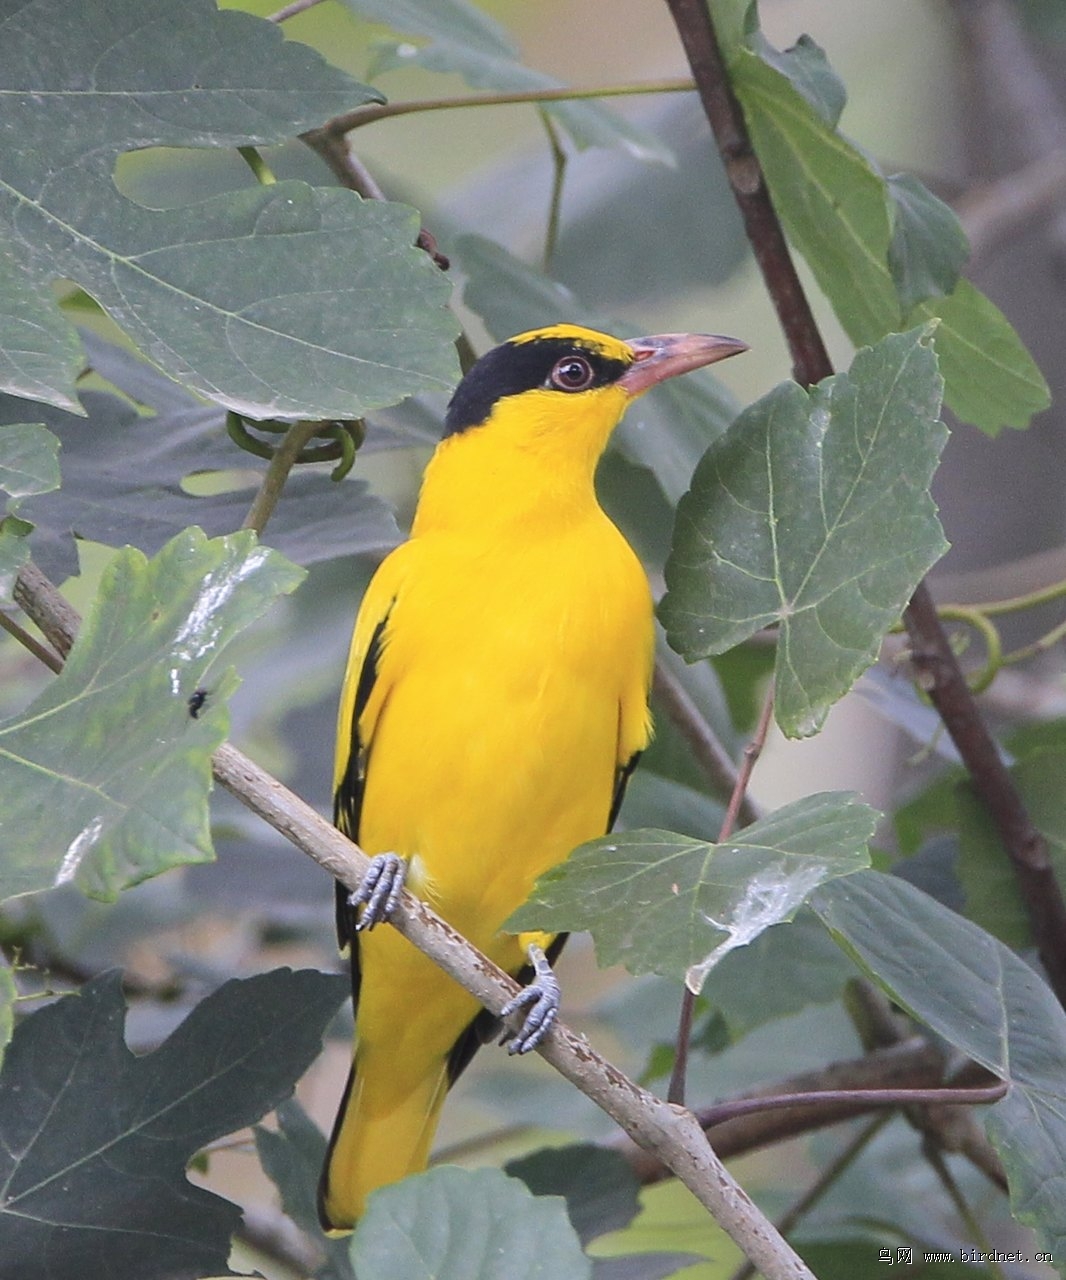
[571, 373]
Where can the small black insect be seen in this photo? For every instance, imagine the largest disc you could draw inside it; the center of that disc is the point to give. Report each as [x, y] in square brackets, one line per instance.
[196, 702]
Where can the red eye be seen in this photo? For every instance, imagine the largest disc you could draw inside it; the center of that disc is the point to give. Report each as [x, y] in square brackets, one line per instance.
[571, 373]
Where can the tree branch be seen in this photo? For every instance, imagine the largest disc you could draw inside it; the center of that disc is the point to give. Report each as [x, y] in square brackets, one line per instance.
[938, 669]
[673, 1134]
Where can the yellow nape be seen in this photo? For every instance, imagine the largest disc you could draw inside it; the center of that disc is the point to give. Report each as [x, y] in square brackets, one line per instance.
[602, 344]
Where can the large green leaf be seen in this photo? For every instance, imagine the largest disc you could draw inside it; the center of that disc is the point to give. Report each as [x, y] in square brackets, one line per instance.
[459, 1224]
[106, 499]
[95, 1140]
[465, 41]
[813, 512]
[104, 778]
[282, 301]
[663, 903]
[873, 245]
[988, 1003]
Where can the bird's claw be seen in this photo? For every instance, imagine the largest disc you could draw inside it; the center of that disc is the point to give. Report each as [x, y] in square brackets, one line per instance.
[380, 889]
[540, 1000]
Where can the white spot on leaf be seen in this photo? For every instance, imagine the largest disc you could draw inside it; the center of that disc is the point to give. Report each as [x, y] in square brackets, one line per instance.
[77, 849]
[769, 897]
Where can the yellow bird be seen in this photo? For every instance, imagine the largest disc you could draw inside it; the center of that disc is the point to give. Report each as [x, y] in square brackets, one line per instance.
[494, 704]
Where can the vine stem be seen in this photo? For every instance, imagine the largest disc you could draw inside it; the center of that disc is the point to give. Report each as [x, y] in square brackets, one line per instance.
[359, 116]
[937, 668]
[754, 749]
[282, 462]
[672, 1134]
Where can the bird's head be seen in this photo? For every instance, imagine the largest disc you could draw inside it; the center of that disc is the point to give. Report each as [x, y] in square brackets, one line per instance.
[570, 384]
[530, 420]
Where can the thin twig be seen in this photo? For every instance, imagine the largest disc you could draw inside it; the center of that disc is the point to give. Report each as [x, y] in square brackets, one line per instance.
[359, 116]
[50, 660]
[673, 1134]
[291, 10]
[555, 203]
[676, 1091]
[277, 472]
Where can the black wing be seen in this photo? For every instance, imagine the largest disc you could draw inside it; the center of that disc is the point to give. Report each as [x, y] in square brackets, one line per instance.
[348, 798]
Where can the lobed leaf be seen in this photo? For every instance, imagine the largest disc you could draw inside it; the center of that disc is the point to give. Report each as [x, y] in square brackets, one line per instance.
[813, 512]
[104, 778]
[663, 903]
[988, 1003]
[459, 1224]
[96, 1140]
[281, 301]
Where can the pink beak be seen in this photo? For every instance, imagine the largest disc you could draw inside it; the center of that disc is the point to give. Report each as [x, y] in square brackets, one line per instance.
[665, 355]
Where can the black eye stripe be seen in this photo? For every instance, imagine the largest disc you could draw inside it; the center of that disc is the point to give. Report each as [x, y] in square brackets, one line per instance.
[512, 368]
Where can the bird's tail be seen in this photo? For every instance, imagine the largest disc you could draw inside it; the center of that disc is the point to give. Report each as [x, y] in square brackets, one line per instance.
[383, 1132]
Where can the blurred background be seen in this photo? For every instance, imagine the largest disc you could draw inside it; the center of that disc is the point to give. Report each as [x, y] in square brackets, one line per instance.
[968, 94]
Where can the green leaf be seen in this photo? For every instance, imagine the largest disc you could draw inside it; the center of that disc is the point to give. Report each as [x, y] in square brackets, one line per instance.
[281, 301]
[105, 499]
[983, 999]
[28, 459]
[104, 778]
[990, 378]
[814, 512]
[28, 465]
[667, 430]
[466, 42]
[292, 1157]
[40, 355]
[808, 70]
[96, 1140]
[993, 899]
[663, 903]
[870, 244]
[459, 1224]
[929, 247]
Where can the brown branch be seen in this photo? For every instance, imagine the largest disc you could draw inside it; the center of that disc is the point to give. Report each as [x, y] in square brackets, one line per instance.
[939, 671]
